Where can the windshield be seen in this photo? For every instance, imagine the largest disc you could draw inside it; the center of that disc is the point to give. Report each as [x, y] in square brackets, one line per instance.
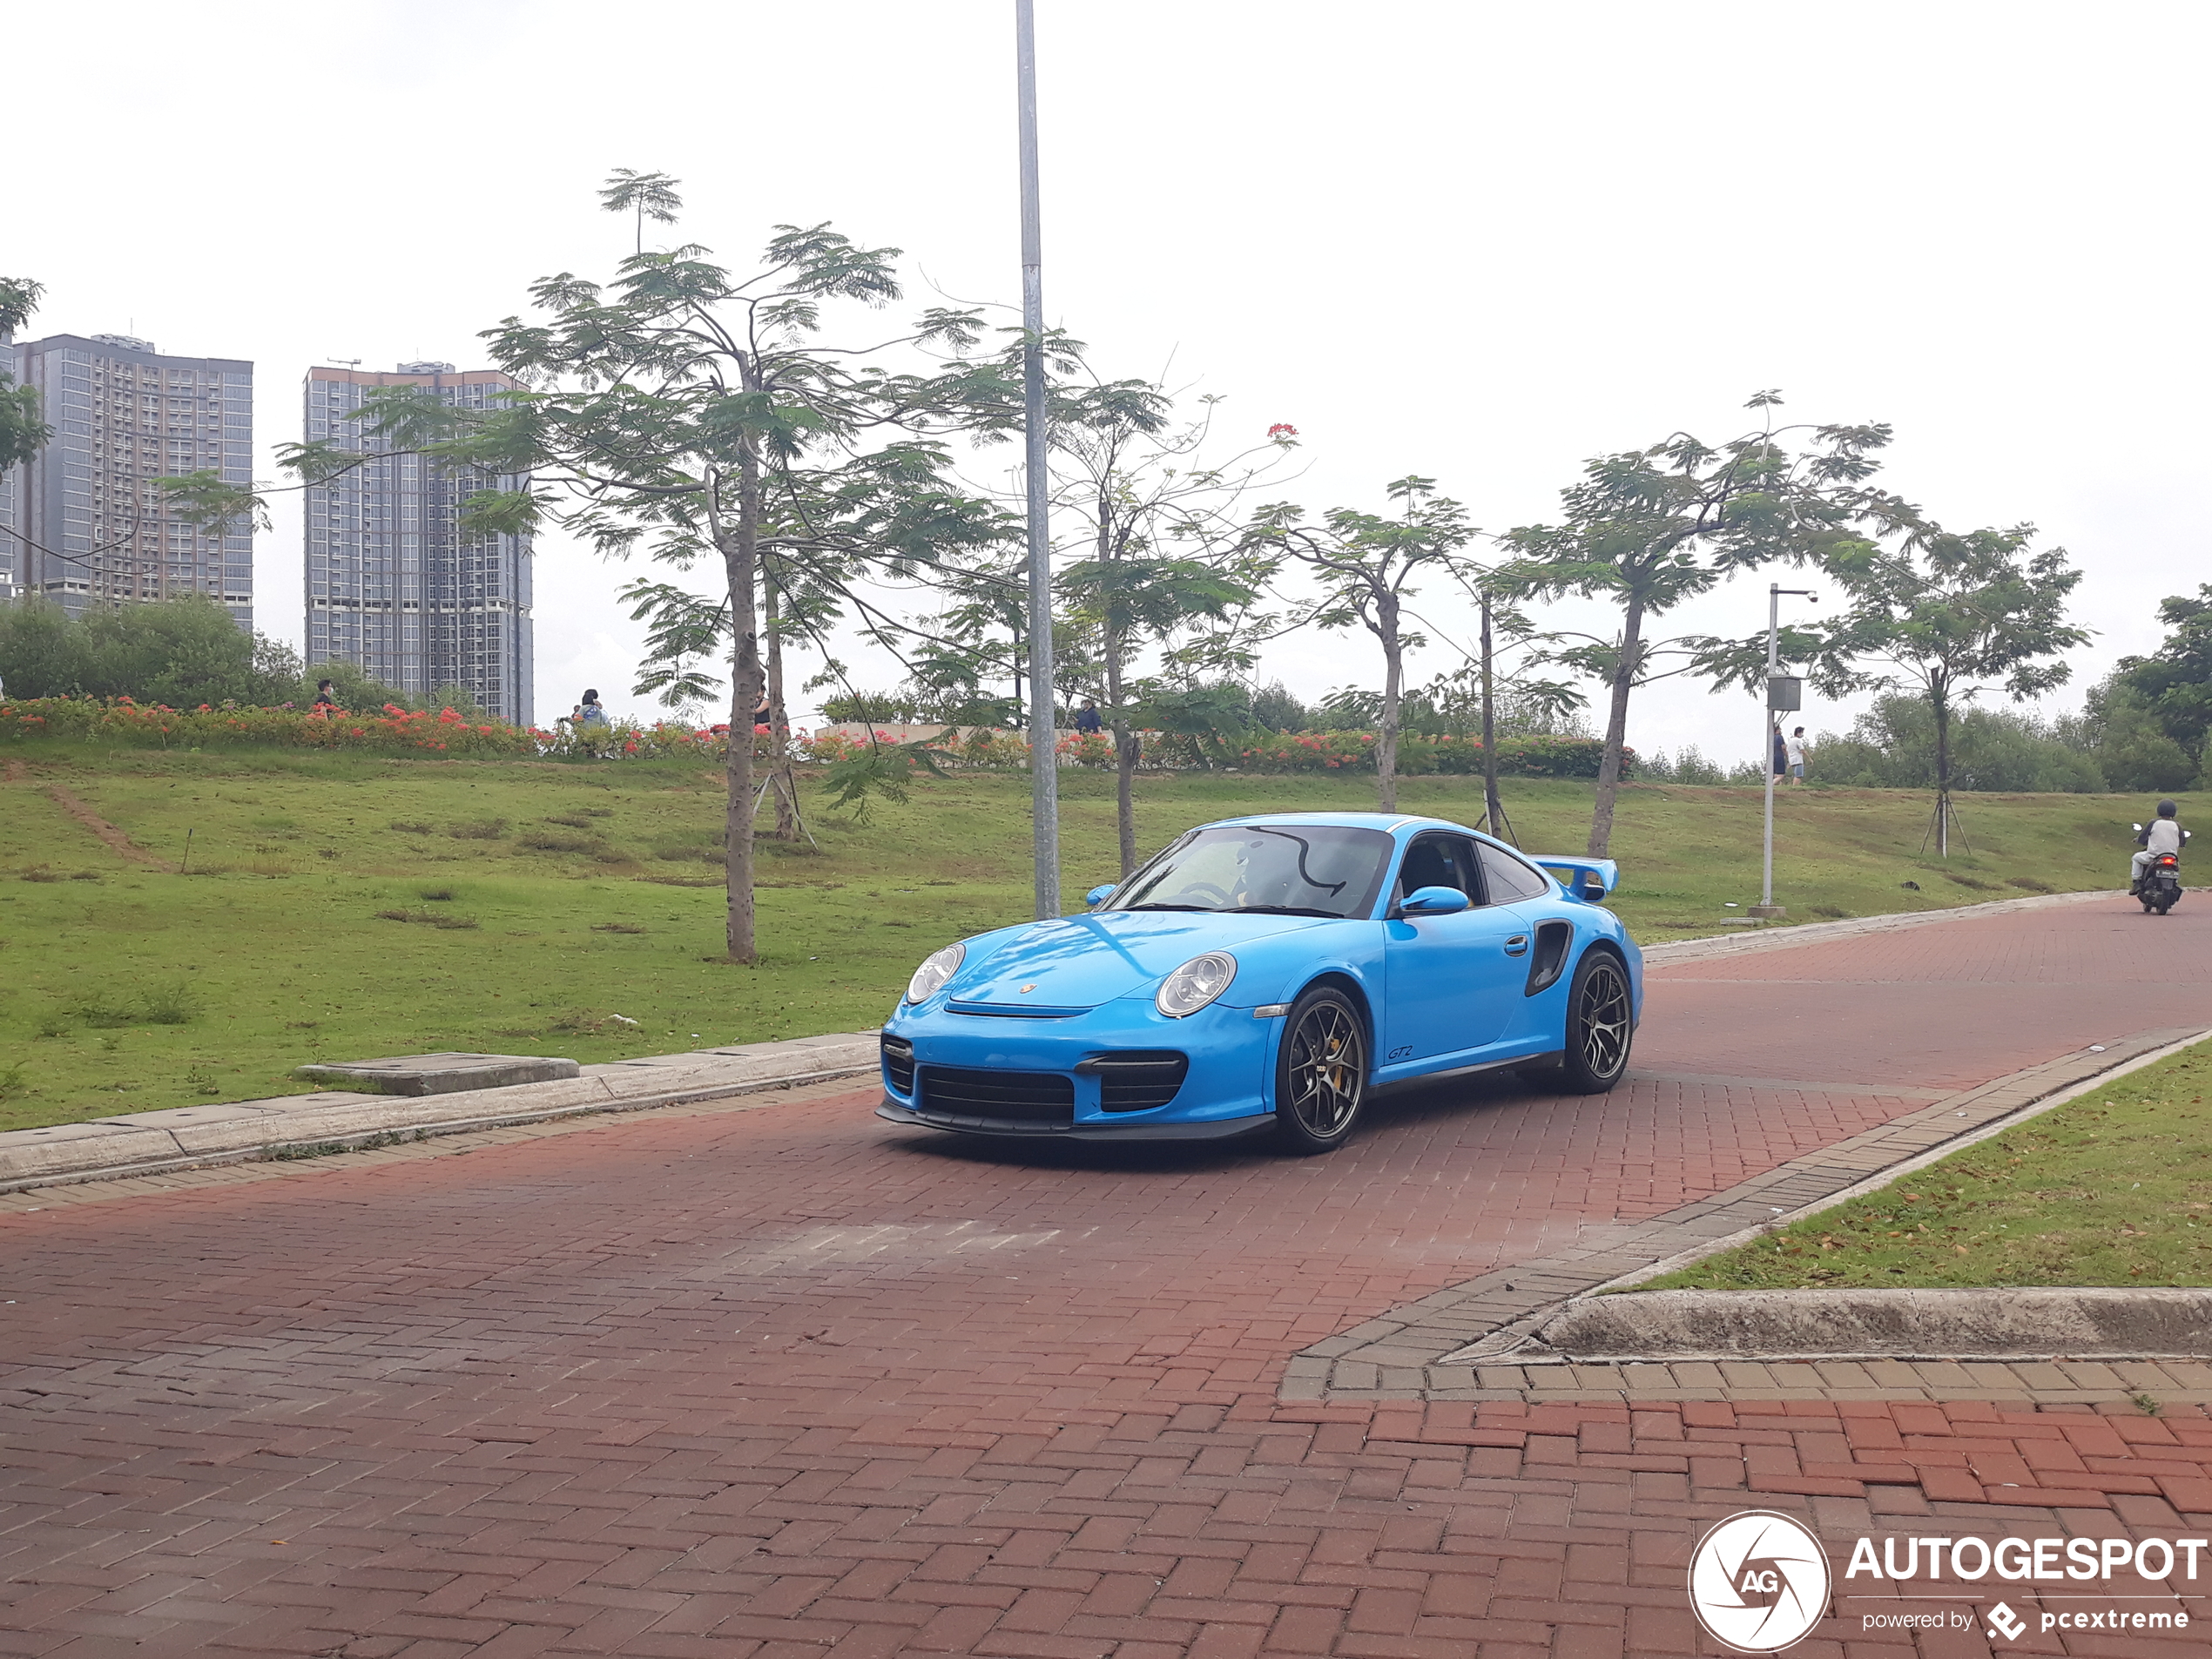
[1275, 869]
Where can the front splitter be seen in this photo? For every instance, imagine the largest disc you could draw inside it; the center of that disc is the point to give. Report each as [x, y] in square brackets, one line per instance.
[1227, 1129]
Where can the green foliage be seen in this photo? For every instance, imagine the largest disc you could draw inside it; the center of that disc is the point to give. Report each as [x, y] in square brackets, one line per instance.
[1363, 566]
[874, 770]
[2174, 684]
[182, 652]
[1951, 616]
[1892, 745]
[22, 433]
[1275, 710]
[1648, 529]
[2127, 740]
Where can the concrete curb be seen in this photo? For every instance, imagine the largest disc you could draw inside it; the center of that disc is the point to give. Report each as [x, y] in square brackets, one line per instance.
[1814, 933]
[188, 1137]
[1452, 1343]
[1664, 1327]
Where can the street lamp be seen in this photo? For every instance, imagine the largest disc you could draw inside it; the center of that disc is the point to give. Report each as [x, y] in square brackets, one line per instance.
[1044, 761]
[1784, 693]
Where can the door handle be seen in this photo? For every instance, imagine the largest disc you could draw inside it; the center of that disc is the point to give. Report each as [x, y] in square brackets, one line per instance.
[1517, 946]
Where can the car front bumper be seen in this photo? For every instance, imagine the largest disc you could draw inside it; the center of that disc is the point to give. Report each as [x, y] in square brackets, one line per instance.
[1224, 1091]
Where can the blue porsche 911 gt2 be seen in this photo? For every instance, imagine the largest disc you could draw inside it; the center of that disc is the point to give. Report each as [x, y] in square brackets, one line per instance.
[1263, 974]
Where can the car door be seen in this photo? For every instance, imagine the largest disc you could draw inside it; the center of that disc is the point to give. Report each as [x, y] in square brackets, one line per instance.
[1451, 981]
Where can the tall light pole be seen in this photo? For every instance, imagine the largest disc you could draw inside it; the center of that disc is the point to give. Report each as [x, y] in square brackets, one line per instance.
[1044, 759]
[1782, 694]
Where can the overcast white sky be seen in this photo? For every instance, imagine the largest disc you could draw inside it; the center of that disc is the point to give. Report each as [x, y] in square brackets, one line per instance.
[1478, 240]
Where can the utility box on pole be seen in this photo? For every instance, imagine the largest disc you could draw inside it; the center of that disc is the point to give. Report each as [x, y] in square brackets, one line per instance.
[1786, 693]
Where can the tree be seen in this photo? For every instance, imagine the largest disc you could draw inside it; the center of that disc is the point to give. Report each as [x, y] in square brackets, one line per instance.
[1649, 529]
[22, 434]
[1495, 613]
[2173, 684]
[1135, 486]
[1951, 616]
[693, 413]
[1363, 566]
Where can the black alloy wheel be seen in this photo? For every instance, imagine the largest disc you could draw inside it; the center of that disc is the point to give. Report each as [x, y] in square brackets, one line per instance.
[1321, 1072]
[1601, 1024]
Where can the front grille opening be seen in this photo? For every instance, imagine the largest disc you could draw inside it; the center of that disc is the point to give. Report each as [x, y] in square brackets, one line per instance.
[899, 1064]
[1137, 1081]
[1042, 1097]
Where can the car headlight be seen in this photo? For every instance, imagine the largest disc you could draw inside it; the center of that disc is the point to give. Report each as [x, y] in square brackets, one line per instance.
[930, 977]
[1195, 984]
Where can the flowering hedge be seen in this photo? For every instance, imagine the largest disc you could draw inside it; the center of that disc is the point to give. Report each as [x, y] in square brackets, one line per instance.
[1269, 752]
[391, 729]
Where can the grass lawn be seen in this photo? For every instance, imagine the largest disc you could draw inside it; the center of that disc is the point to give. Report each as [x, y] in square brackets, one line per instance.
[2114, 1188]
[343, 906]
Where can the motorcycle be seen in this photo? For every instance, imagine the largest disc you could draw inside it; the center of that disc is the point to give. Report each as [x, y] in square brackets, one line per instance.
[2160, 885]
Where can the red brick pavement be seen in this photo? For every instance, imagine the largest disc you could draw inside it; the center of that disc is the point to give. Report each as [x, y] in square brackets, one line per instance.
[785, 1381]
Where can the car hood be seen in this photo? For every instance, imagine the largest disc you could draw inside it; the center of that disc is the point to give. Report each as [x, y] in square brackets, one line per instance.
[1080, 962]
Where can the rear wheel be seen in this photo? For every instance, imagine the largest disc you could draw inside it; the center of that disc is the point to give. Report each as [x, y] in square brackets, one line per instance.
[1601, 1024]
[1321, 1072]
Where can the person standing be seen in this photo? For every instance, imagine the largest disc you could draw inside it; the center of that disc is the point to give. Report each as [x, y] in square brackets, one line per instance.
[1793, 751]
[1087, 718]
[1779, 759]
[325, 703]
[588, 712]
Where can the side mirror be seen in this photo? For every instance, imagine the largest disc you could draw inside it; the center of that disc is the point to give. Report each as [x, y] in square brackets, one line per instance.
[1099, 894]
[1433, 901]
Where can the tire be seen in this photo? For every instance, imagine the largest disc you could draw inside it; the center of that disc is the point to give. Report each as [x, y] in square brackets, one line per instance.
[1320, 1073]
[1601, 1026]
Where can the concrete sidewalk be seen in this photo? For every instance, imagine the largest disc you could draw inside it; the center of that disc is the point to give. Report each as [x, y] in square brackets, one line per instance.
[154, 1142]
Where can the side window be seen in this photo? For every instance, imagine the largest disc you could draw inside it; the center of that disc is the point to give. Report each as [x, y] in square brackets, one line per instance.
[1510, 880]
[1439, 862]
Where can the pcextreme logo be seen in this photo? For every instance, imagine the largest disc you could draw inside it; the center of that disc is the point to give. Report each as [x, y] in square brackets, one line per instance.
[1759, 1581]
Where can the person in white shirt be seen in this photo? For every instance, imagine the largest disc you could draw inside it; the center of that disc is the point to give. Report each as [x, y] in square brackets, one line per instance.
[2162, 834]
[1793, 749]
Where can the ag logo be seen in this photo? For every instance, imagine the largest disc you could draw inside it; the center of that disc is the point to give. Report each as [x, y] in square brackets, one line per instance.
[1759, 1581]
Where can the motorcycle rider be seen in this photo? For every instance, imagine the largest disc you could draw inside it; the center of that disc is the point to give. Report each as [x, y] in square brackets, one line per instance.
[2162, 834]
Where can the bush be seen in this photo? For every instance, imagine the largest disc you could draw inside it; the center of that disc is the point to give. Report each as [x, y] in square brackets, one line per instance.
[1893, 746]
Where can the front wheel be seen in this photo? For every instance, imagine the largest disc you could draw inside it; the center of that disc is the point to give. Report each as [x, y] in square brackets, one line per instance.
[1601, 1024]
[1320, 1073]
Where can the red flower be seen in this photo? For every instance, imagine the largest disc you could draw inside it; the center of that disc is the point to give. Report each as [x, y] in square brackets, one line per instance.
[1282, 429]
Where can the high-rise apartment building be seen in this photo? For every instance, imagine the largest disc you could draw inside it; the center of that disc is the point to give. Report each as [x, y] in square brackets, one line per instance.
[392, 583]
[95, 526]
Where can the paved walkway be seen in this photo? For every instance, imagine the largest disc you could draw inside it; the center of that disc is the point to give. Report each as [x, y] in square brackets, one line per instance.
[781, 1380]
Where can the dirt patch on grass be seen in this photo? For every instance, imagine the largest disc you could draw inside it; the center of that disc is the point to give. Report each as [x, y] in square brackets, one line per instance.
[123, 845]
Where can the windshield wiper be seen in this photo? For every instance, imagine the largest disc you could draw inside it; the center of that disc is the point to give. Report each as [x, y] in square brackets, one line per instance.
[1284, 910]
[1204, 909]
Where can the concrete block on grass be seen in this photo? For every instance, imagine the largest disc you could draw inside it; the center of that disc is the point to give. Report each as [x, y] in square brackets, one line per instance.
[439, 1073]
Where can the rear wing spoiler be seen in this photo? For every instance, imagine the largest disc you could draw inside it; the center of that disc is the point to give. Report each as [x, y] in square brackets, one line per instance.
[1589, 880]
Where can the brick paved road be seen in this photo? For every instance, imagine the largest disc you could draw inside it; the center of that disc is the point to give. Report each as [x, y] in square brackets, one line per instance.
[785, 1381]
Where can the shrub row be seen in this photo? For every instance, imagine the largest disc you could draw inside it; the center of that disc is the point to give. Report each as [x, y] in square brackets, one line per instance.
[393, 730]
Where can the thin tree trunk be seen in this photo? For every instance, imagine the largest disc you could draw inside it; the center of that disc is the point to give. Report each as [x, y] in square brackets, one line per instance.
[1394, 679]
[1617, 729]
[1124, 754]
[740, 557]
[1494, 813]
[779, 720]
[1942, 767]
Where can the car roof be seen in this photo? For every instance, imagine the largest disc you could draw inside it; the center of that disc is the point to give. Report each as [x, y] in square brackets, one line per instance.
[1385, 822]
